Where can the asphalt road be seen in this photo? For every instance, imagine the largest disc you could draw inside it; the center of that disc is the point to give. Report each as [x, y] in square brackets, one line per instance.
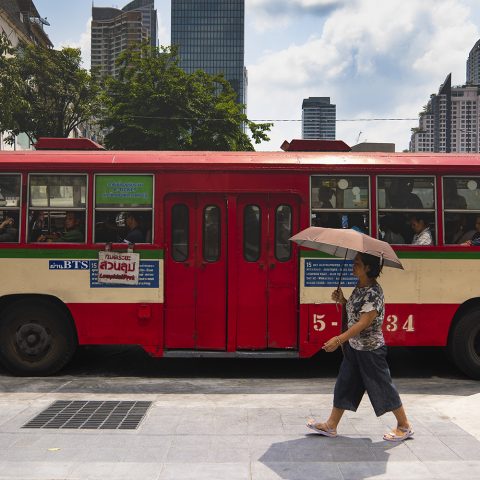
[126, 369]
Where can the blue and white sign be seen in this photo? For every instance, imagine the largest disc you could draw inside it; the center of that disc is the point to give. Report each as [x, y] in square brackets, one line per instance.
[68, 265]
[326, 273]
[148, 276]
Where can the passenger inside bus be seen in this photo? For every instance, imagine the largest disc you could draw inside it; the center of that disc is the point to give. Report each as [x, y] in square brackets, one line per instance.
[73, 230]
[391, 227]
[8, 231]
[452, 199]
[136, 228]
[420, 224]
[400, 194]
[475, 240]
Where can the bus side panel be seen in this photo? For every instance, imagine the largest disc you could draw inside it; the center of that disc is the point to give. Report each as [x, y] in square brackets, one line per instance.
[119, 323]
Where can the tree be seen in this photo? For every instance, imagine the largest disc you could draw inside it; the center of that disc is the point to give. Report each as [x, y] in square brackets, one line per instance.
[155, 105]
[47, 92]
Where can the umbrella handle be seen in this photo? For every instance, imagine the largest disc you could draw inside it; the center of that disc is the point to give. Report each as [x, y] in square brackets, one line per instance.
[341, 271]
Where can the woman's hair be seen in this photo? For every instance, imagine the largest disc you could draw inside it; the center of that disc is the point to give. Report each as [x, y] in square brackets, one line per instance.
[373, 262]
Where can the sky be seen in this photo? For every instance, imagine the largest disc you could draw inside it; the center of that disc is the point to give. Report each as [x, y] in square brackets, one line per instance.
[375, 59]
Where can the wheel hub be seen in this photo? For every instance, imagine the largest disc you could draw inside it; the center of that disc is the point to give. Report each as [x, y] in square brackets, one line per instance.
[33, 339]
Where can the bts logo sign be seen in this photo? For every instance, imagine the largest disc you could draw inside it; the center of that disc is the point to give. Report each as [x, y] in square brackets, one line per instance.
[118, 267]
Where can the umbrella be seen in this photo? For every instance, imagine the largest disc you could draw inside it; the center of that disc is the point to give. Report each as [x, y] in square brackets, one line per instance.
[346, 243]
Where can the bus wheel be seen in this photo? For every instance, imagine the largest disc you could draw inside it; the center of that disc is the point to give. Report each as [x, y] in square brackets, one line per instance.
[464, 343]
[36, 338]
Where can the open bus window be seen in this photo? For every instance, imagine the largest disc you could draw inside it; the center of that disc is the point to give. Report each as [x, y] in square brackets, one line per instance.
[57, 191]
[461, 201]
[130, 226]
[340, 202]
[405, 205]
[56, 226]
[9, 226]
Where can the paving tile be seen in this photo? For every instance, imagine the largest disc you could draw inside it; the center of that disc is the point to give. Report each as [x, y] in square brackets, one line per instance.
[205, 471]
[34, 470]
[117, 471]
[384, 470]
[453, 470]
[295, 471]
[465, 446]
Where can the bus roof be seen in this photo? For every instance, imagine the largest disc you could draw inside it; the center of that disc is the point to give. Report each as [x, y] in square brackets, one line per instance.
[197, 160]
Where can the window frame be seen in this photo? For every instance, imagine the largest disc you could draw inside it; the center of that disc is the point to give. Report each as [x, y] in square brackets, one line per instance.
[18, 209]
[150, 210]
[83, 210]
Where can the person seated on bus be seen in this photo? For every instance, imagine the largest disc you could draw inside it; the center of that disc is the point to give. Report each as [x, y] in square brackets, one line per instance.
[421, 229]
[400, 195]
[73, 232]
[457, 229]
[8, 232]
[356, 222]
[452, 199]
[37, 225]
[390, 227]
[325, 195]
[475, 240]
[136, 232]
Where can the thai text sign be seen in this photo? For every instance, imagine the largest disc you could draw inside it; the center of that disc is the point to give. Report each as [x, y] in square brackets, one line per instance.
[118, 267]
[124, 190]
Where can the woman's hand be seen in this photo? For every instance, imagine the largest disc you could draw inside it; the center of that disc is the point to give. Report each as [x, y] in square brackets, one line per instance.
[337, 296]
[332, 344]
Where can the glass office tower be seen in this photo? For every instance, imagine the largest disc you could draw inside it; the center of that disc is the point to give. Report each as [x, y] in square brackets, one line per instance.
[210, 35]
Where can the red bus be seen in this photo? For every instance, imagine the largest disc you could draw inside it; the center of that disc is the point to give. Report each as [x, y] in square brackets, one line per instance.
[217, 274]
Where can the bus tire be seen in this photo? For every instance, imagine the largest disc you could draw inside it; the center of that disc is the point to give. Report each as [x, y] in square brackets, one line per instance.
[36, 338]
[464, 343]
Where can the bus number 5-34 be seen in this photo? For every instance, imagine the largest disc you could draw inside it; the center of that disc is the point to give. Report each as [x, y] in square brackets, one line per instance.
[392, 324]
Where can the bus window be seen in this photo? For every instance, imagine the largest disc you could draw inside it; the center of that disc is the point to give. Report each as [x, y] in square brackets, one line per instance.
[10, 204]
[340, 202]
[180, 232]
[123, 208]
[283, 231]
[406, 210]
[211, 233]
[58, 191]
[57, 208]
[56, 226]
[251, 233]
[461, 214]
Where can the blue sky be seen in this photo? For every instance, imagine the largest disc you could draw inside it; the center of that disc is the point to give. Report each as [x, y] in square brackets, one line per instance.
[375, 59]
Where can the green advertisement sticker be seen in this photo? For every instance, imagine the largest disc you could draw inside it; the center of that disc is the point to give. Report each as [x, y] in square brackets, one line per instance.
[124, 190]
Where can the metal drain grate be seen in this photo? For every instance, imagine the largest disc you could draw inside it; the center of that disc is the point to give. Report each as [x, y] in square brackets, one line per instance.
[109, 415]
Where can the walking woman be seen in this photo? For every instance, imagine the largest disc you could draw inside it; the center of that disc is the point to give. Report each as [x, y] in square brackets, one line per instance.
[364, 366]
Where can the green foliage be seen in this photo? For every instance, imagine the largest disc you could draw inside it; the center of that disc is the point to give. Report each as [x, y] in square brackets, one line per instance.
[47, 93]
[155, 105]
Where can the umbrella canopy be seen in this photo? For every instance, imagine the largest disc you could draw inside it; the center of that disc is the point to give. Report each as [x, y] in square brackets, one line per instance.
[346, 243]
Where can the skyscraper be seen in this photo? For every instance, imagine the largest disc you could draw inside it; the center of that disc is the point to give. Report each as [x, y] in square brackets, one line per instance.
[114, 30]
[318, 119]
[210, 35]
[450, 121]
[473, 65]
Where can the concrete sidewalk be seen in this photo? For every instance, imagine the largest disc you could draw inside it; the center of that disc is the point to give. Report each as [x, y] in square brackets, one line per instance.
[242, 436]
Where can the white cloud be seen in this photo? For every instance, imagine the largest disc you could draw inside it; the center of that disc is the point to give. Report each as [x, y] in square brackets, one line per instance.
[83, 44]
[374, 59]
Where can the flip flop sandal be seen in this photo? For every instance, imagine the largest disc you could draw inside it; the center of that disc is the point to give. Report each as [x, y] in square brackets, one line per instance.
[393, 437]
[329, 432]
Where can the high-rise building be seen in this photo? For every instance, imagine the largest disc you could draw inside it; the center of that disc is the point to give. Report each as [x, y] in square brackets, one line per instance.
[210, 36]
[473, 65]
[114, 30]
[450, 121]
[318, 118]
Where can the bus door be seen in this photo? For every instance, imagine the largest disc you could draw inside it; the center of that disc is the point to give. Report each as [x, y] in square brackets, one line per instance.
[267, 286]
[195, 272]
